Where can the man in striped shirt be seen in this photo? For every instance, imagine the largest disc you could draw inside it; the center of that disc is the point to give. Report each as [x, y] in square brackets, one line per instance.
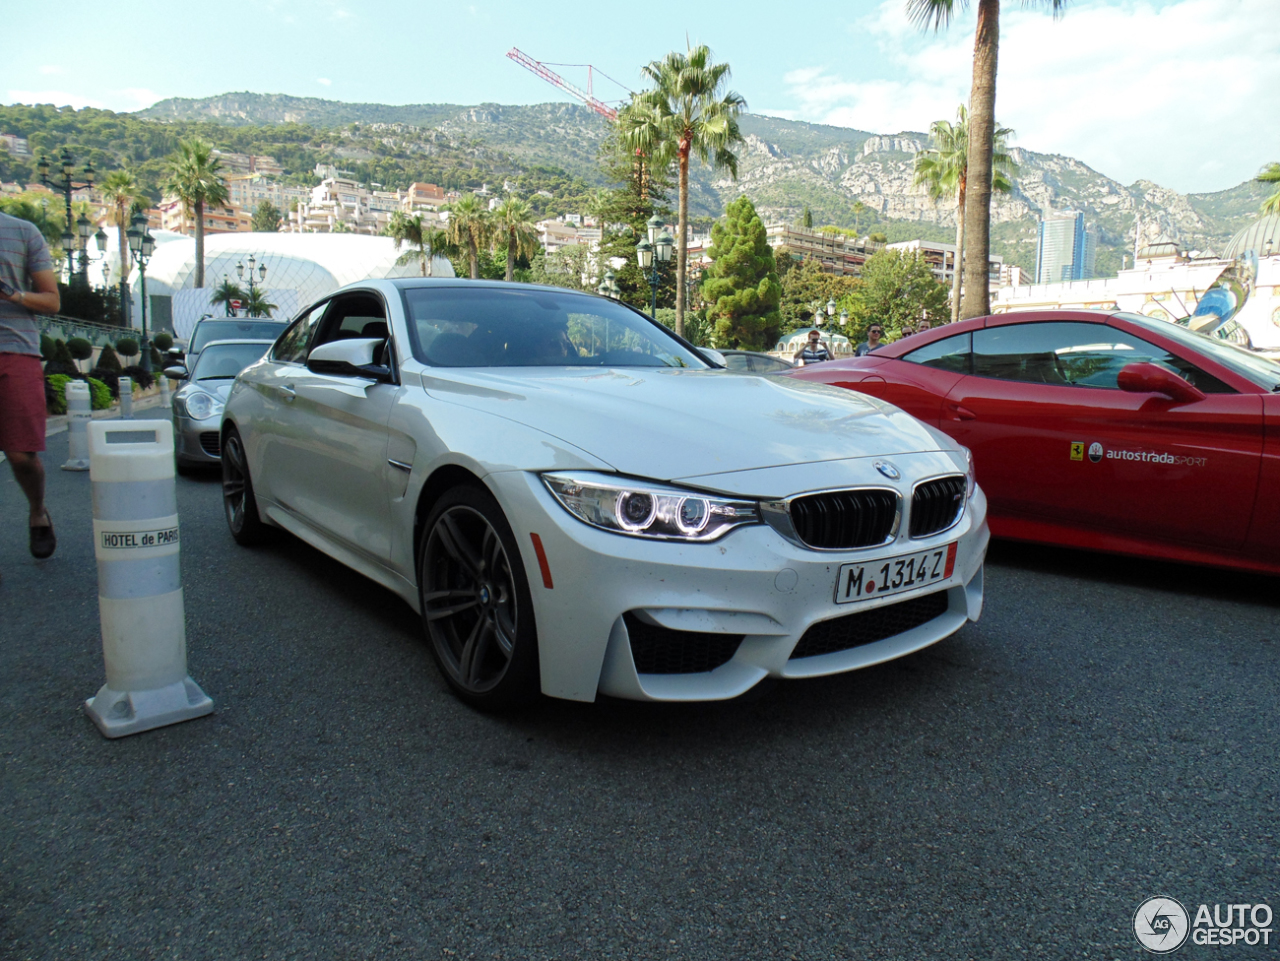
[28, 286]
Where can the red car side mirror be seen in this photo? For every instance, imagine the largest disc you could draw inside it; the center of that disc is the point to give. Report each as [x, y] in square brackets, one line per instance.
[1147, 378]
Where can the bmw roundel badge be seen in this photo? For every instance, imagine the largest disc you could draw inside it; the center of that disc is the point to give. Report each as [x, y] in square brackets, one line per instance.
[887, 469]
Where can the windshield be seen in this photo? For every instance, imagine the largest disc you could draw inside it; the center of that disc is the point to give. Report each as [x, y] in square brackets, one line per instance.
[224, 361]
[208, 331]
[1239, 360]
[540, 327]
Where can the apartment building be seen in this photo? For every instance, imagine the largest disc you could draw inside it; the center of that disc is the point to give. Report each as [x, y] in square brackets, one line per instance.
[16, 145]
[243, 163]
[248, 190]
[217, 220]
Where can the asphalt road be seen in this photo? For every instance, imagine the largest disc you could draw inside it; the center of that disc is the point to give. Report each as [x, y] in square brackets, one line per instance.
[1107, 732]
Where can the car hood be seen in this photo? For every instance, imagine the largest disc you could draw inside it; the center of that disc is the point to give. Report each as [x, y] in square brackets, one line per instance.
[668, 423]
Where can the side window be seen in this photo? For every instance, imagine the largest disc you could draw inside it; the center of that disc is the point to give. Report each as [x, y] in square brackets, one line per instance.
[950, 353]
[1081, 355]
[294, 343]
[352, 316]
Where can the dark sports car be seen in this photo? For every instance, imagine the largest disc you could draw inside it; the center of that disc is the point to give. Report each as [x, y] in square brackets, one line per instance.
[1101, 430]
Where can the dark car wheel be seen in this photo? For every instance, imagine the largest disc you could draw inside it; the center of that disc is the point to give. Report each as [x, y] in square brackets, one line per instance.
[237, 493]
[476, 605]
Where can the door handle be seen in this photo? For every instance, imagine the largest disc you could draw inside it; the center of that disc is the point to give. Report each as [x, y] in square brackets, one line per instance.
[289, 392]
[960, 412]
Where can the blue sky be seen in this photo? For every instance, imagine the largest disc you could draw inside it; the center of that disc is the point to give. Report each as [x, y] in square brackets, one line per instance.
[1181, 92]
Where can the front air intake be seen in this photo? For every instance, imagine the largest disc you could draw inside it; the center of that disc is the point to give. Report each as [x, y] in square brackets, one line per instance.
[838, 520]
[936, 505]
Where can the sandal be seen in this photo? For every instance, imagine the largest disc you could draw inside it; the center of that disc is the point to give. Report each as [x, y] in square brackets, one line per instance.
[43, 541]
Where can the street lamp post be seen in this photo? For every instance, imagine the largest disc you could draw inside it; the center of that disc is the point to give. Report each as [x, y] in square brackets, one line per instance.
[660, 244]
[67, 186]
[142, 244]
[262, 274]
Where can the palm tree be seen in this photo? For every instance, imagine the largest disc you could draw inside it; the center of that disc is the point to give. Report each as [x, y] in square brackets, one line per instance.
[514, 228]
[194, 176]
[428, 242]
[256, 303]
[1271, 176]
[982, 129]
[943, 169]
[859, 208]
[469, 227]
[120, 191]
[226, 292]
[686, 113]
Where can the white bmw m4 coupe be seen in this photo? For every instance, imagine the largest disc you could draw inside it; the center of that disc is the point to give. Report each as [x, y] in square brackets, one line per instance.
[579, 503]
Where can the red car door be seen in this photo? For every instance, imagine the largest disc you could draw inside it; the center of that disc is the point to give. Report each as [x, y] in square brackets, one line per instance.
[1055, 439]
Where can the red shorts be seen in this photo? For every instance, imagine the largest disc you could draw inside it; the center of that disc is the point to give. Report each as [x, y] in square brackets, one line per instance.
[22, 410]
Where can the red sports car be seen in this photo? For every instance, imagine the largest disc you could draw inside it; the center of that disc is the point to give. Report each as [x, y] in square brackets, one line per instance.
[1101, 430]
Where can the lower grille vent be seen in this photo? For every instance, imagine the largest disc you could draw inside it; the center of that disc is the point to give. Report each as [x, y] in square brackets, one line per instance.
[867, 627]
[660, 650]
[211, 443]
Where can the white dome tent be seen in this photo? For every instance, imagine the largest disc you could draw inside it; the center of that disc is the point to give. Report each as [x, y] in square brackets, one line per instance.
[301, 268]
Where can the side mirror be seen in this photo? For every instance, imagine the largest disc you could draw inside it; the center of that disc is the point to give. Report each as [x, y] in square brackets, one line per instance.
[1148, 378]
[714, 356]
[350, 358]
[176, 372]
[174, 353]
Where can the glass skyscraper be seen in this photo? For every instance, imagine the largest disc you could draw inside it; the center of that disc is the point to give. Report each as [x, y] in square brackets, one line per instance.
[1066, 250]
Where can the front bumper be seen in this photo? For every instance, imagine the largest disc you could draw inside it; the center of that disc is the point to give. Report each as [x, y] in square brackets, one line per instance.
[197, 442]
[751, 583]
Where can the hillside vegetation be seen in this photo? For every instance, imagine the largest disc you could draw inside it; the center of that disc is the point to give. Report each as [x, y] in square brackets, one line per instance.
[554, 147]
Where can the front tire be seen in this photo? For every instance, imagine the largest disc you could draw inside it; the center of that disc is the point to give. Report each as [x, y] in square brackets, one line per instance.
[238, 501]
[477, 610]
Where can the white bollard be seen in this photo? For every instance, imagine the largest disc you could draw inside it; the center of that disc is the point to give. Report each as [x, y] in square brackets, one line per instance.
[126, 398]
[165, 402]
[79, 413]
[135, 534]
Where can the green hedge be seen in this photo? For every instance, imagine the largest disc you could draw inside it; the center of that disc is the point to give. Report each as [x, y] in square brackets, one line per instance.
[99, 394]
[56, 395]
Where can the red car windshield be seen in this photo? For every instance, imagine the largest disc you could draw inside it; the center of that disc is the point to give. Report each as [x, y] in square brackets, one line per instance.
[1239, 360]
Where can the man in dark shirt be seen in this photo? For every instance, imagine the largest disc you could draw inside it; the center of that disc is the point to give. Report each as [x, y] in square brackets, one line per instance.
[874, 333]
[27, 286]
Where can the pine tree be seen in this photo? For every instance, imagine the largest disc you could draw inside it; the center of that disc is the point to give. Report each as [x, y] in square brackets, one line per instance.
[742, 284]
[639, 191]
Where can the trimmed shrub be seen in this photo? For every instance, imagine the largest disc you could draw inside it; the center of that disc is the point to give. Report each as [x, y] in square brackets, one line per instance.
[55, 393]
[141, 377]
[60, 368]
[99, 394]
[111, 378]
[61, 354]
[157, 361]
[79, 348]
[107, 360]
[46, 347]
[127, 347]
[162, 340]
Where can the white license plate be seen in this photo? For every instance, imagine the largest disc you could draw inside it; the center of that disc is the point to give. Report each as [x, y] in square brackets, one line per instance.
[893, 575]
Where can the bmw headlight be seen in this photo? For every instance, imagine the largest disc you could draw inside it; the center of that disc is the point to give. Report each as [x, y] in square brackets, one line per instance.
[202, 406]
[970, 475]
[648, 509]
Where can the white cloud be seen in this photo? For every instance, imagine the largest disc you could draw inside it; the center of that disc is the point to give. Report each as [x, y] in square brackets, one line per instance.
[141, 96]
[50, 69]
[1184, 95]
[58, 98]
[324, 81]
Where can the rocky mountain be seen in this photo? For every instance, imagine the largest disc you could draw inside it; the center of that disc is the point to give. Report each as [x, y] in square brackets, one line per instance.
[787, 165]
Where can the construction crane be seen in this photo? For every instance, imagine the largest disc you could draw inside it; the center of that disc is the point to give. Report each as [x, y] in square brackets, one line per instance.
[550, 76]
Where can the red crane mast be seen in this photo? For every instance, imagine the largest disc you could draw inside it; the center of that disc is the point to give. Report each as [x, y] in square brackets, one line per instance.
[553, 78]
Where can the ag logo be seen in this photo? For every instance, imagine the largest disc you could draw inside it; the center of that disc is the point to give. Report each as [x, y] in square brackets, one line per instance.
[1077, 450]
[1095, 452]
[1161, 925]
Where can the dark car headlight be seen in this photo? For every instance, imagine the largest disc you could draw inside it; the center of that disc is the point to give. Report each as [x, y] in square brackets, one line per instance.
[198, 405]
[638, 508]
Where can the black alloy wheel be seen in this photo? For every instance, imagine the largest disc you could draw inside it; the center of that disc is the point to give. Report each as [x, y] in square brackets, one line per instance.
[237, 493]
[476, 605]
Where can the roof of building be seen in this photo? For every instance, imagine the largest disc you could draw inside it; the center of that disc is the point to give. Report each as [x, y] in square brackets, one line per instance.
[1255, 237]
